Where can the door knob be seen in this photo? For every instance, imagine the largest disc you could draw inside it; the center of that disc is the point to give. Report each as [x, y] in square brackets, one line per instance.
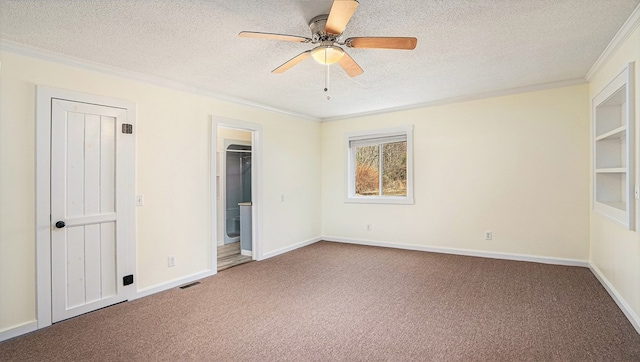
[60, 224]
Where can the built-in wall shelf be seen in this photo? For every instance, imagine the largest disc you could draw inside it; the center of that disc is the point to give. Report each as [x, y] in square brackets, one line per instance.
[613, 141]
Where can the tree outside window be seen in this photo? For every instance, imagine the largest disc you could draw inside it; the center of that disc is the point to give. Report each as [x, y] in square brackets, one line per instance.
[393, 163]
[379, 168]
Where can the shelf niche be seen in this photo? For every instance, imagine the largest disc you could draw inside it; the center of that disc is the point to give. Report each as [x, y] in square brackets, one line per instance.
[612, 111]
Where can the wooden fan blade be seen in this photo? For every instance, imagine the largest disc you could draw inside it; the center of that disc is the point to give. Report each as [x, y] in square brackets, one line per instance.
[339, 15]
[406, 43]
[291, 62]
[350, 66]
[273, 36]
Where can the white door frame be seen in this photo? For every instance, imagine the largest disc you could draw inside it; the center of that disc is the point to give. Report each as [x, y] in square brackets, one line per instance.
[256, 184]
[44, 95]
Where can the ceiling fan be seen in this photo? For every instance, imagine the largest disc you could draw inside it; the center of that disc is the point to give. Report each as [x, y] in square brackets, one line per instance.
[326, 32]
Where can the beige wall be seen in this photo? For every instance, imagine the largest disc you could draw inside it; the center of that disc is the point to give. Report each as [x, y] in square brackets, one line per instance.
[172, 171]
[615, 251]
[516, 165]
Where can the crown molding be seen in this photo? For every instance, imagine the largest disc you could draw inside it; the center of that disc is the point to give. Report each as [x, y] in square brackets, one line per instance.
[470, 97]
[55, 57]
[629, 26]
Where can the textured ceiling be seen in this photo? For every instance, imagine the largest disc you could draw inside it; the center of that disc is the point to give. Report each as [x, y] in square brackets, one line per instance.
[465, 47]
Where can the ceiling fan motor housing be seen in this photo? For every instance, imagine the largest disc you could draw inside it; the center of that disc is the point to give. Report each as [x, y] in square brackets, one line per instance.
[318, 34]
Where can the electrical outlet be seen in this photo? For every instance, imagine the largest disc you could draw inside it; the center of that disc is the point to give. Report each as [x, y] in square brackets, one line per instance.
[171, 260]
[368, 227]
[488, 235]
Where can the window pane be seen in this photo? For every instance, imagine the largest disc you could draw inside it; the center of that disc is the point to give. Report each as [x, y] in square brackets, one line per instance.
[367, 174]
[394, 169]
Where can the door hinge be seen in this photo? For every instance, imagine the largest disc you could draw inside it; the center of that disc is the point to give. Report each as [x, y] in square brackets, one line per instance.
[127, 128]
[127, 279]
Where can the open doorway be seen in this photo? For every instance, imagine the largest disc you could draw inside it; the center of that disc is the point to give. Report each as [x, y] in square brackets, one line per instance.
[235, 183]
[236, 186]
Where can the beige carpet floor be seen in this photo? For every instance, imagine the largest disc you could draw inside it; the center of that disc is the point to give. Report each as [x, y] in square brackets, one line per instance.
[339, 302]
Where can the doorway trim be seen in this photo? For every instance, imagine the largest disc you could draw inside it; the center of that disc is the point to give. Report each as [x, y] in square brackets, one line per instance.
[256, 184]
[44, 96]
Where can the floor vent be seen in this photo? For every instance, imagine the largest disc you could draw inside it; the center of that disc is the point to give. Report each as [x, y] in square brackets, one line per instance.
[189, 285]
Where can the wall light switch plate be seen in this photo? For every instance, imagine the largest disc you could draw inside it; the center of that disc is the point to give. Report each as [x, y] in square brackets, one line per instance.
[140, 200]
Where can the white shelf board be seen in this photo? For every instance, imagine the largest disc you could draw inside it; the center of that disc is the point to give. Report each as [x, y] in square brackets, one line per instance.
[615, 211]
[612, 170]
[617, 204]
[614, 133]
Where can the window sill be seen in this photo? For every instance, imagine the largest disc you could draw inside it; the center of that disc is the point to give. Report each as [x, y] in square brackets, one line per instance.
[379, 200]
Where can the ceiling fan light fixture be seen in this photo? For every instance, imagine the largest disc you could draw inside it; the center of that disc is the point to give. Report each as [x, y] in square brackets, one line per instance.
[327, 54]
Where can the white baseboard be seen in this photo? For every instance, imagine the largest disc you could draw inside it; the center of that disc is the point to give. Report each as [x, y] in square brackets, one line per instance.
[18, 330]
[622, 304]
[466, 252]
[246, 252]
[290, 248]
[171, 284]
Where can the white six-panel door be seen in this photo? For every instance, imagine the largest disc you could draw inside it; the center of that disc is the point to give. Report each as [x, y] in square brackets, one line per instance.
[87, 252]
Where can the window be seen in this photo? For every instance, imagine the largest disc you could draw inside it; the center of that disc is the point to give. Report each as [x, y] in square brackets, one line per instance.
[379, 167]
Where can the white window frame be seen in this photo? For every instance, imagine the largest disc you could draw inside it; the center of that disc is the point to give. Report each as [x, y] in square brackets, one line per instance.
[376, 137]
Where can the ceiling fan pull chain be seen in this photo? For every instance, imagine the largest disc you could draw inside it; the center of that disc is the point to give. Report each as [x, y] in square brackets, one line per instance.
[326, 82]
